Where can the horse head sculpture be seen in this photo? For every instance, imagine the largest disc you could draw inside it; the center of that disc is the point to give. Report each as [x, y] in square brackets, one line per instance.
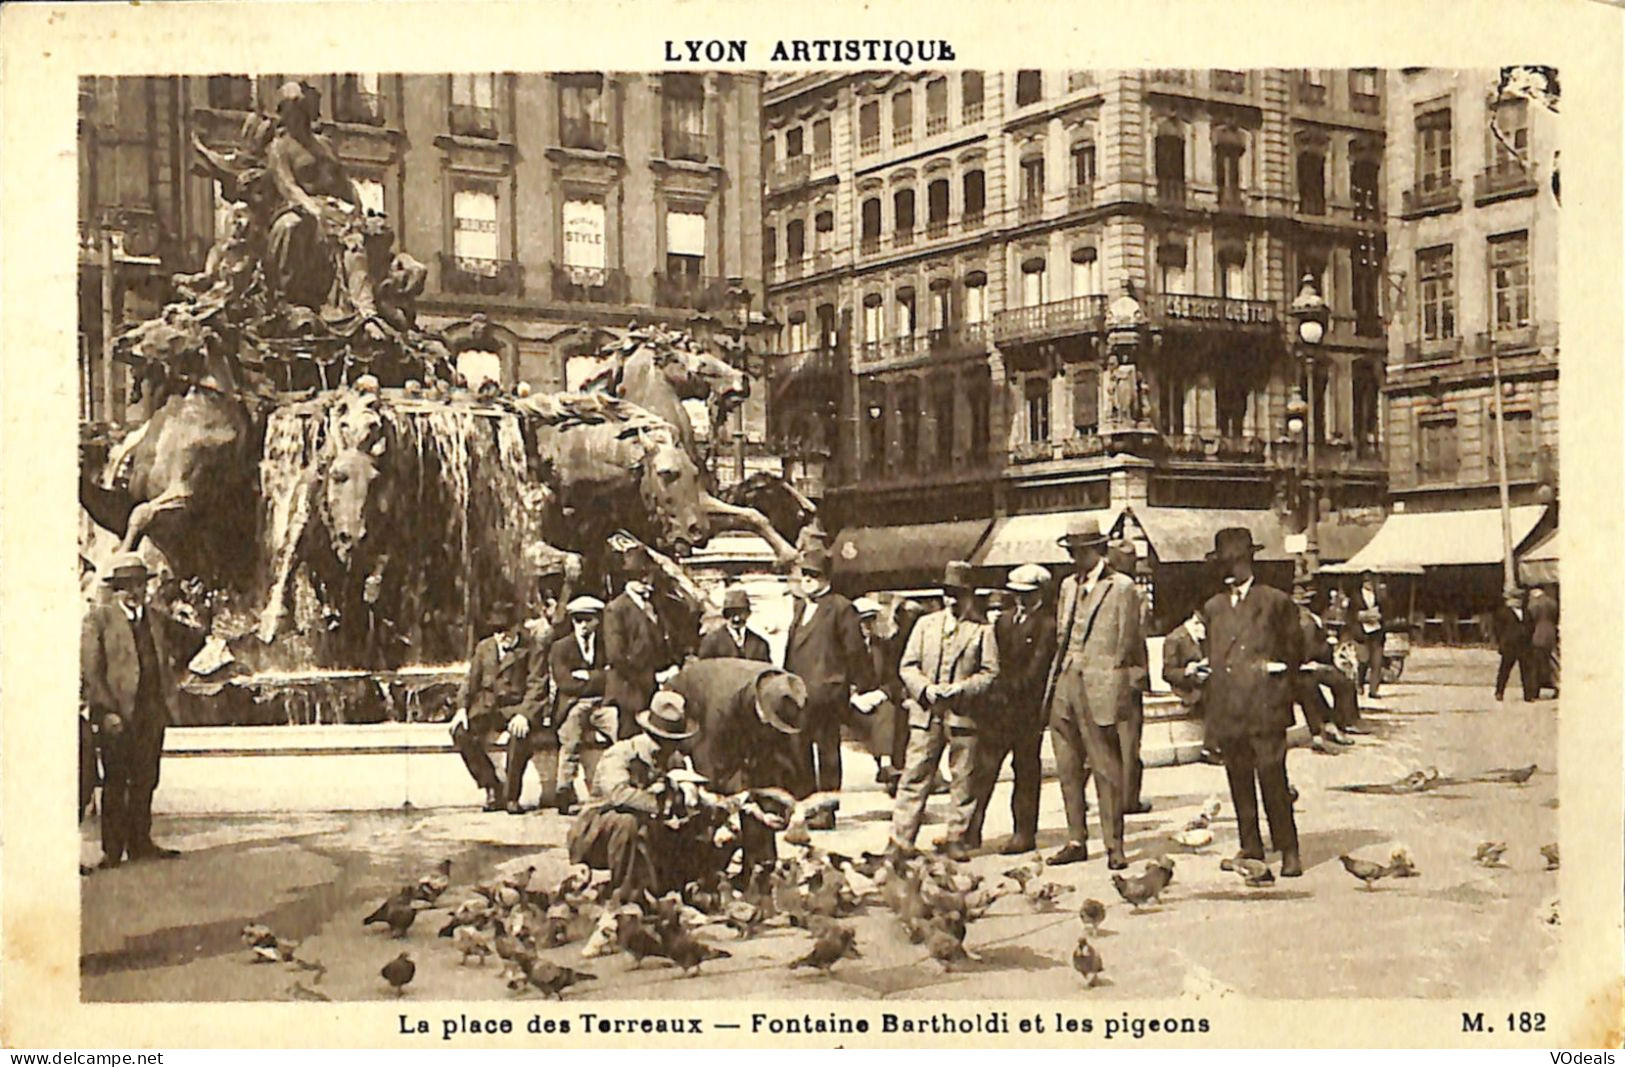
[354, 499]
[672, 490]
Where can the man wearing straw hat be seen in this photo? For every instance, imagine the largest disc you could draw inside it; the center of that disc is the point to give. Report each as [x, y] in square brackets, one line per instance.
[129, 653]
[1094, 689]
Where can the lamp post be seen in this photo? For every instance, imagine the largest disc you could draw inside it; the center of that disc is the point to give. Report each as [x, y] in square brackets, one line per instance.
[1509, 571]
[1310, 315]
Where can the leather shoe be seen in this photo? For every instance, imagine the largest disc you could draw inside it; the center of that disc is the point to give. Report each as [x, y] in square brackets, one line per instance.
[957, 851]
[1229, 862]
[1116, 861]
[153, 852]
[514, 808]
[1356, 728]
[1017, 845]
[1073, 852]
[821, 820]
[109, 862]
[1142, 808]
[492, 801]
[1291, 866]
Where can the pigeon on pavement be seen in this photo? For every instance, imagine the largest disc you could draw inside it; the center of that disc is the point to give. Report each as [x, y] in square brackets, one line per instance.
[1489, 854]
[1367, 872]
[399, 971]
[1086, 961]
[1092, 914]
[1551, 855]
[835, 942]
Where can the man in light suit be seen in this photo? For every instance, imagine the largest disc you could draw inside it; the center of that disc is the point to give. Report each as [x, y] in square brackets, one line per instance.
[825, 647]
[950, 663]
[1094, 690]
[1255, 650]
[734, 639]
[129, 657]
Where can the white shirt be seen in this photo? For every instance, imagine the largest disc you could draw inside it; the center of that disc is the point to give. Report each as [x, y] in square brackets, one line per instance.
[812, 606]
[637, 598]
[1369, 596]
[585, 647]
[1093, 576]
[1238, 593]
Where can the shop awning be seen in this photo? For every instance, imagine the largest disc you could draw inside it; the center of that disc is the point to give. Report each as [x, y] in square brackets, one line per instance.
[1538, 566]
[1338, 541]
[1185, 535]
[1022, 539]
[920, 549]
[1439, 539]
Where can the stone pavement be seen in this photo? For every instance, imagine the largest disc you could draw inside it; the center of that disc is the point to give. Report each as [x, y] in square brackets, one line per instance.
[168, 931]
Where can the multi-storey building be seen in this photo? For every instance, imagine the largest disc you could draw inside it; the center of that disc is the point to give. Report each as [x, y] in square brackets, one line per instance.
[551, 202]
[1472, 276]
[942, 250]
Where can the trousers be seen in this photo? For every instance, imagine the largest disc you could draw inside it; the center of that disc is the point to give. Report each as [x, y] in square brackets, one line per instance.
[826, 710]
[1528, 673]
[583, 723]
[130, 763]
[471, 744]
[1256, 764]
[1081, 744]
[1371, 662]
[927, 737]
[1023, 743]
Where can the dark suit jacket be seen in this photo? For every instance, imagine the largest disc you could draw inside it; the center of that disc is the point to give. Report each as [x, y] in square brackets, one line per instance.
[635, 647]
[828, 652]
[1313, 636]
[1241, 698]
[1026, 654]
[1179, 651]
[884, 656]
[733, 747]
[1511, 632]
[565, 658]
[506, 684]
[110, 669]
[1542, 612]
[719, 644]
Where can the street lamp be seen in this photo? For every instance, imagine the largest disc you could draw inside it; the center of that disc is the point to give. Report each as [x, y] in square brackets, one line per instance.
[1310, 315]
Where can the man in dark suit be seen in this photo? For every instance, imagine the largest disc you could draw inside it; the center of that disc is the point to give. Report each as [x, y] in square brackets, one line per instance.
[130, 654]
[1013, 724]
[825, 647]
[888, 725]
[734, 639]
[1184, 661]
[637, 653]
[504, 690]
[1369, 615]
[579, 713]
[1326, 723]
[748, 714]
[1512, 629]
[1094, 690]
[1255, 649]
[1543, 639]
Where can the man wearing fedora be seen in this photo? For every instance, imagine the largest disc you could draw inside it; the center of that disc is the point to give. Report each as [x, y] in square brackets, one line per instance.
[748, 716]
[627, 829]
[637, 651]
[505, 689]
[948, 667]
[1094, 690]
[734, 639]
[580, 714]
[825, 647]
[130, 654]
[1255, 651]
[1014, 723]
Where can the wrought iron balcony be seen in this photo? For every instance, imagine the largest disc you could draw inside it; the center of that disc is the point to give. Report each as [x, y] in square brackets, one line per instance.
[935, 124]
[686, 145]
[902, 134]
[1080, 197]
[1431, 195]
[1182, 310]
[586, 134]
[1311, 94]
[589, 285]
[1171, 190]
[1078, 314]
[789, 173]
[469, 120]
[1502, 180]
[485, 277]
[971, 112]
[869, 145]
[1230, 81]
[1365, 103]
[698, 291]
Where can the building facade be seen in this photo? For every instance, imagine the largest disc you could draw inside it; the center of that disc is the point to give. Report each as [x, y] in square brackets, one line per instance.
[553, 203]
[942, 252]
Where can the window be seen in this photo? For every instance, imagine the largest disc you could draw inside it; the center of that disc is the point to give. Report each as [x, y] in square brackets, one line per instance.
[1364, 178]
[1434, 149]
[1086, 271]
[1032, 282]
[1367, 399]
[1312, 183]
[370, 191]
[1363, 81]
[1083, 165]
[906, 312]
[1509, 280]
[1171, 267]
[1512, 119]
[473, 105]
[1436, 454]
[793, 142]
[770, 245]
[941, 301]
[795, 241]
[1227, 171]
[970, 95]
[1435, 276]
[1367, 294]
[978, 398]
[1170, 153]
[796, 339]
[1171, 401]
[231, 92]
[685, 243]
[1085, 398]
[1233, 280]
[1520, 443]
[359, 99]
[584, 242]
[975, 193]
[1230, 403]
[1037, 392]
[1029, 87]
[682, 104]
[1079, 79]
[1032, 186]
[821, 149]
[908, 423]
[828, 333]
[581, 112]
[1312, 86]
[936, 105]
[823, 231]
[871, 224]
[902, 117]
[474, 230]
[903, 215]
[869, 128]
[976, 297]
[945, 399]
[875, 411]
[874, 318]
[936, 207]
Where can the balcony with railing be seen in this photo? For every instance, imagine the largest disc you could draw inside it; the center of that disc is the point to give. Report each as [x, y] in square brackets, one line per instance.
[356, 106]
[689, 146]
[1033, 451]
[589, 285]
[1230, 81]
[1433, 350]
[960, 339]
[937, 229]
[869, 145]
[1183, 310]
[1502, 181]
[1365, 103]
[1171, 190]
[1432, 195]
[1030, 208]
[822, 158]
[869, 244]
[1082, 446]
[1164, 76]
[901, 135]
[1190, 446]
[470, 120]
[971, 112]
[483, 277]
[1078, 314]
[1080, 197]
[588, 135]
[1311, 94]
[700, 292]
[1507, 340]
[789, 173]
[935, 124]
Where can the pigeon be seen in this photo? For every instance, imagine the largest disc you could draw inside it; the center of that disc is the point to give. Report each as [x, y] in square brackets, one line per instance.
[436, 882]
[1141, 888]
[743, 918]
[689, 952]
[397, 911]
[946, 949]
[1551, 855]
[550, 978]
[1254, 873]
[1364, 870]
[635, 939]
[278, 950]
[1044, 894]
[1400, 865]
[479, 944]
[1021, 876]
[1489, 854]
[475, 913]
[1092, 914]
[255, 935]
[835, 942]
[398, 972]
[1194, 837]
[601, 942]
[1086, 961]
[1520, 775]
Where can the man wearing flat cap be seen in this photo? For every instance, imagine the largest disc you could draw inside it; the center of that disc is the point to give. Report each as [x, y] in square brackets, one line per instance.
[580, 713]
[130, 654]
[734, 639]
[504, 690]
[825, 647]
[948, 667]
[1255, 649]
[1094, 689]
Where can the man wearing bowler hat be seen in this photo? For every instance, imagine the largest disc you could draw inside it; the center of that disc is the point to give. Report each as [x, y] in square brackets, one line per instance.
[1094, 689]
[1255, 650]
[130, 654]
[637, 652]
[1014, 724]
[505, 689]
[734, 639]
[948, 667]
[825, 647]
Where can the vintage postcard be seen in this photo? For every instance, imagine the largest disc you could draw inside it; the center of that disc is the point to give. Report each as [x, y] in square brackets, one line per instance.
[683, 524]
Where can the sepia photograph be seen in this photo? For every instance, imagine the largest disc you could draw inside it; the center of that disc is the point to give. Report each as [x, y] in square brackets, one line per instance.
[809, 538]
